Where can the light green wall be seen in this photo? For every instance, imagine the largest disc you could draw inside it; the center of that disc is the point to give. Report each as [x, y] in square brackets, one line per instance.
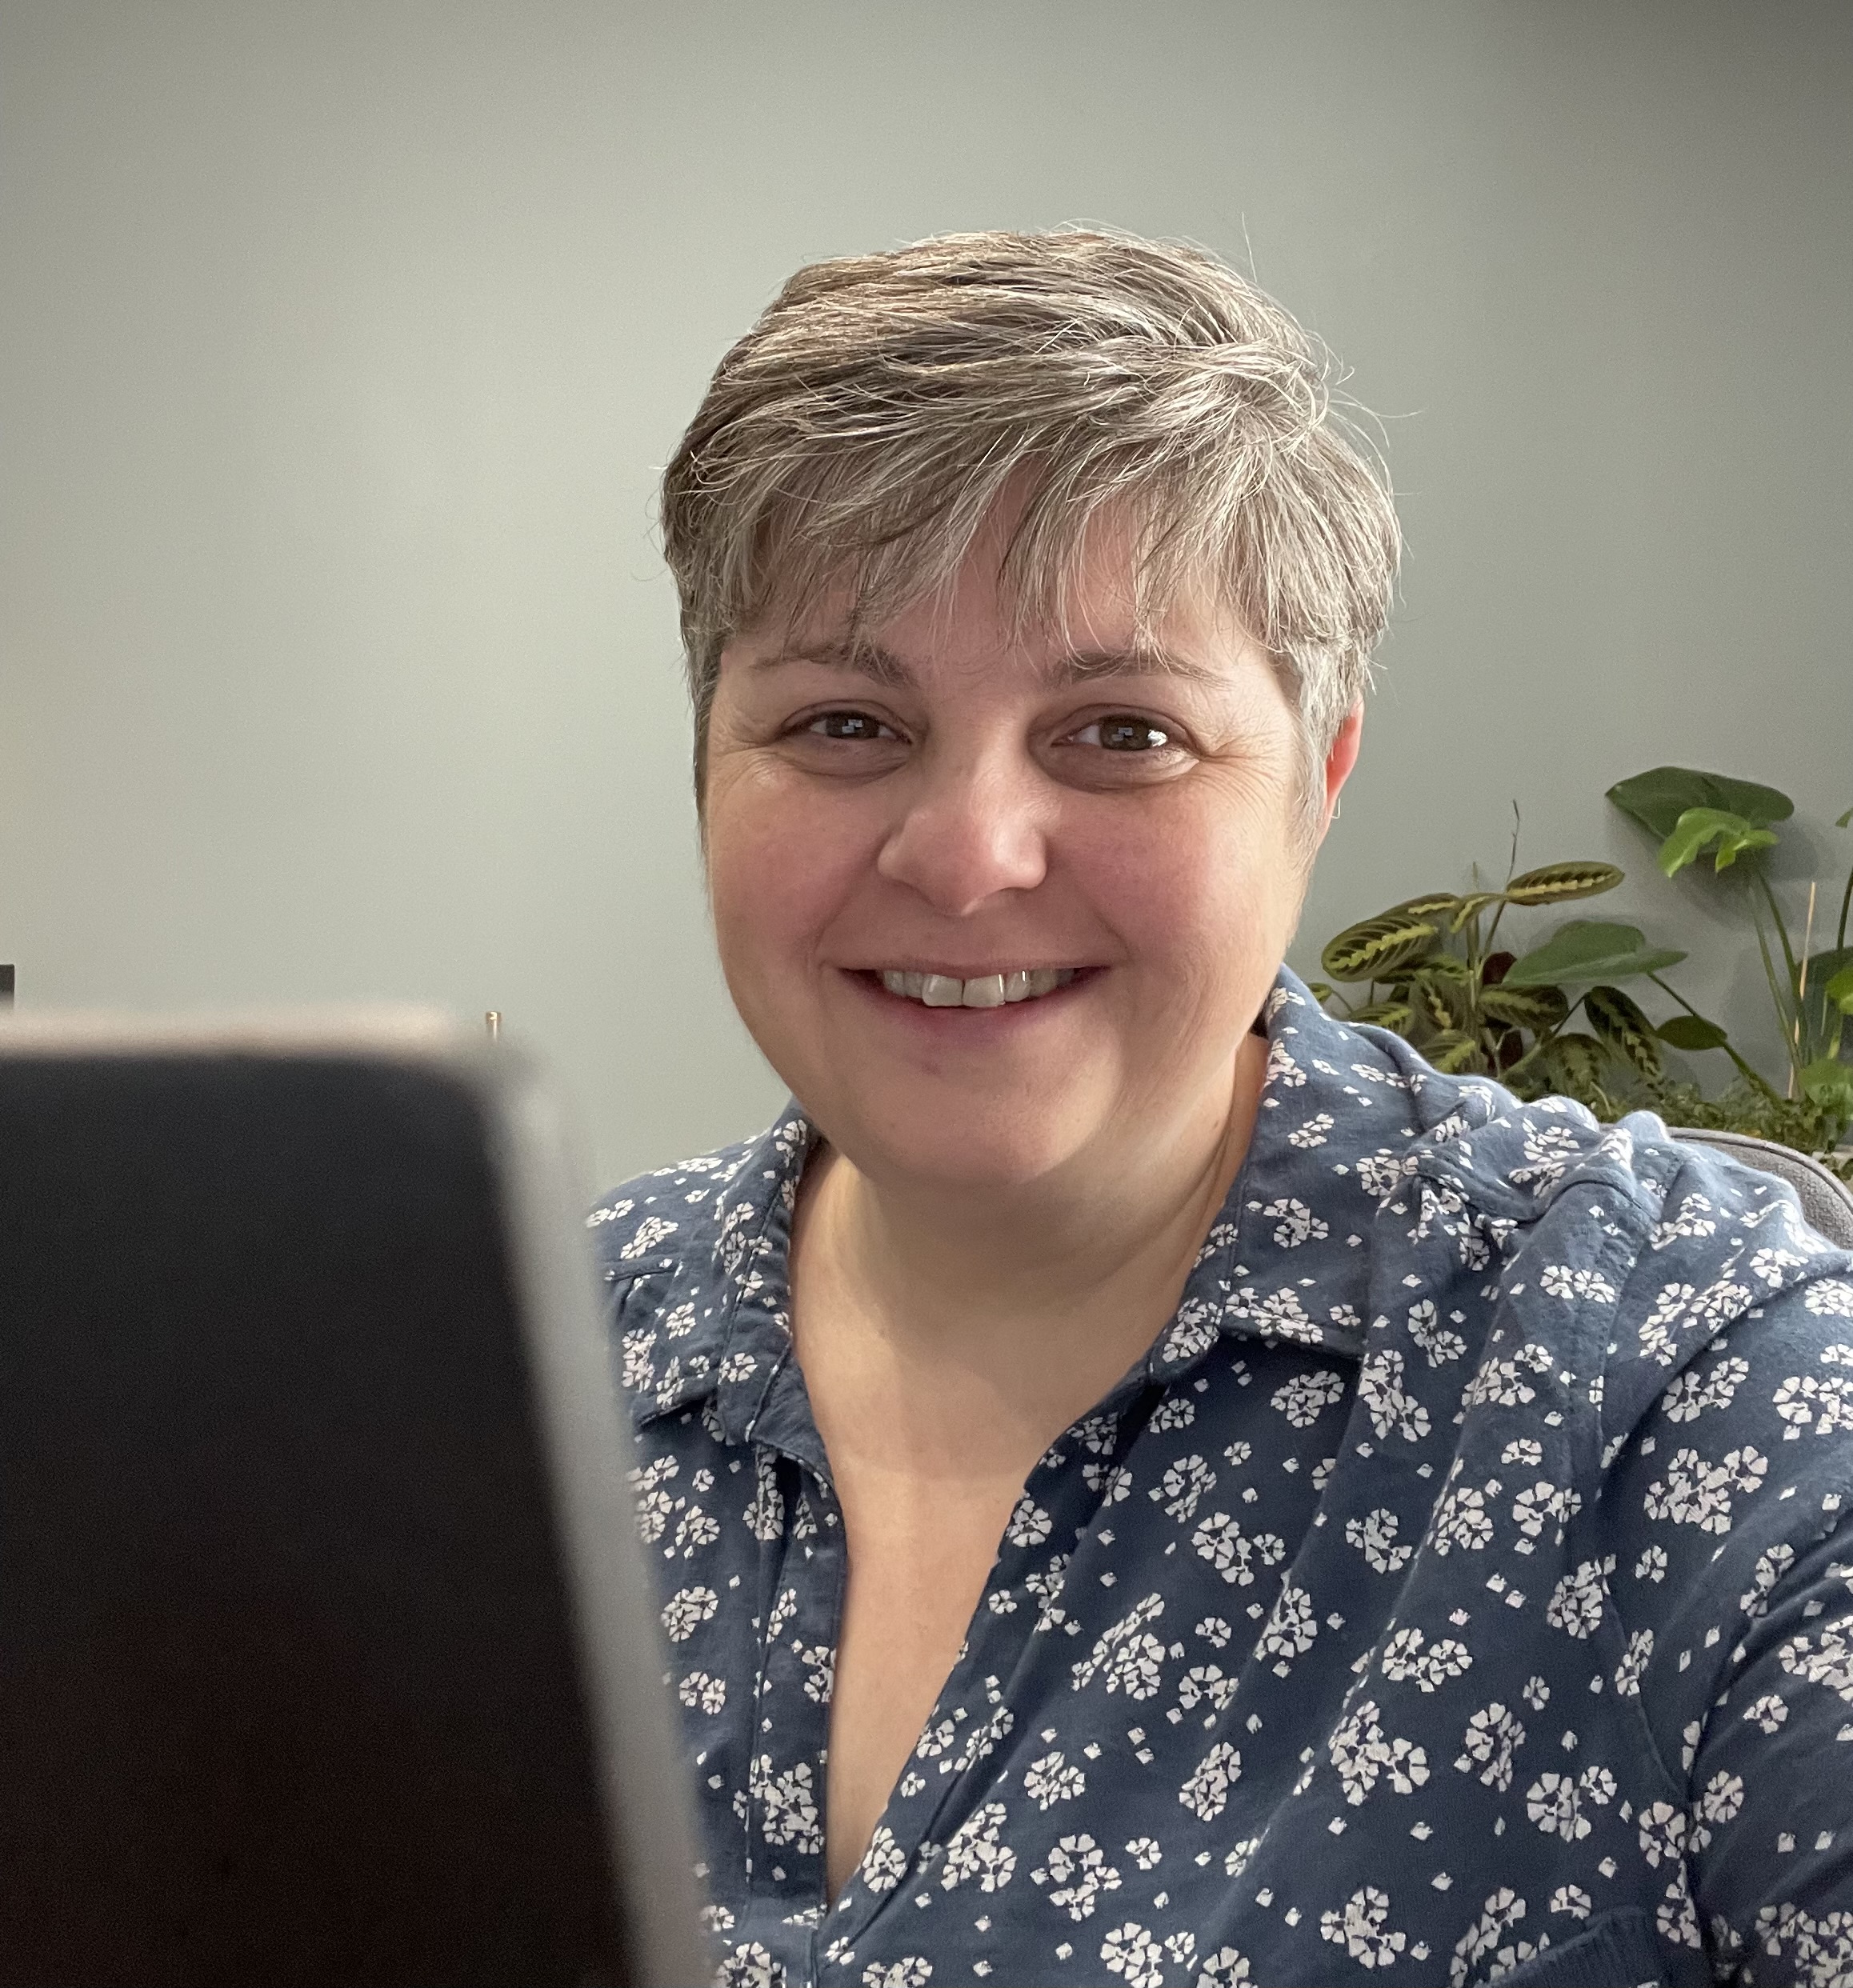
[339, 344]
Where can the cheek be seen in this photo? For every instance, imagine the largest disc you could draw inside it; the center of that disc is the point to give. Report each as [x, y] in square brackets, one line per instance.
[778, 869]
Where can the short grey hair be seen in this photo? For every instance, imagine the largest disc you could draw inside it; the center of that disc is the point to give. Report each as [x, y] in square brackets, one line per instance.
[854, 442]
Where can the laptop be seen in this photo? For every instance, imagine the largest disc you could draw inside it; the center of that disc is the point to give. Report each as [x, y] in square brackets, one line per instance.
[326, 1653]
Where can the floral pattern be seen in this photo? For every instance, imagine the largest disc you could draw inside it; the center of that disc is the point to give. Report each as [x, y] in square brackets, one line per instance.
[1461, 1584]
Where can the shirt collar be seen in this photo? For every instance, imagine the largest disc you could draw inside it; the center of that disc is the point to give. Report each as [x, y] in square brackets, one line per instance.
[1288, 1257]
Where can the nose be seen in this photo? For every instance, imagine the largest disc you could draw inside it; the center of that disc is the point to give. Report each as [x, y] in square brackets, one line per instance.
[968, 832]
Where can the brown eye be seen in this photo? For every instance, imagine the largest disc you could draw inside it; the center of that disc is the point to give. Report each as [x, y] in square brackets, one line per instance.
[848, 725]
[1125, 734]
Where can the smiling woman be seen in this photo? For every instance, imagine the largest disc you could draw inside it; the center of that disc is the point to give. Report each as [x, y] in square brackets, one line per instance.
[1133, 1459]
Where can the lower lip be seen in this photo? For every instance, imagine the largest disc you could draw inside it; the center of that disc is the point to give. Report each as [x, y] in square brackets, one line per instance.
[962, 1020]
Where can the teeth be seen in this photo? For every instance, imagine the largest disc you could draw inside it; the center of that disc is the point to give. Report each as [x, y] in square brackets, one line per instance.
[986, 990]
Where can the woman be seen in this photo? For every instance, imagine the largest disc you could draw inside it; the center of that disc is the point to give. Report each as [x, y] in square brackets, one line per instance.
[1151, 1484]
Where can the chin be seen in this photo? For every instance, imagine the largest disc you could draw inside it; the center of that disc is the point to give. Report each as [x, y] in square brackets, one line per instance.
[999, 1152]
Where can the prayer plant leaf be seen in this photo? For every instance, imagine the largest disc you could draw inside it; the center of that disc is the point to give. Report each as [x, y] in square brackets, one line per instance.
[1588, 950]
[1377, 948]
[1557, 883]
[1471, 906]
[1698, 829]
[1656, 799]
[1398, 1016]
[1622, 1027]
[1691, 1033]
[1537, 1009]
[1436, 905]
[1453, 1051]
[1576, 1061]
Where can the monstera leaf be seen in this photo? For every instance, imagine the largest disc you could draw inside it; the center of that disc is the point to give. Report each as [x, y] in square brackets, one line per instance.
[1589, 950]
[1727, 835]
[1658, 798]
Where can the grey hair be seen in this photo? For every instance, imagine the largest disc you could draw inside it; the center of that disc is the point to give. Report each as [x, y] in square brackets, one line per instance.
[854, 442]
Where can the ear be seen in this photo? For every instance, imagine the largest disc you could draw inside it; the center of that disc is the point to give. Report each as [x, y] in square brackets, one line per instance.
[1340, 760]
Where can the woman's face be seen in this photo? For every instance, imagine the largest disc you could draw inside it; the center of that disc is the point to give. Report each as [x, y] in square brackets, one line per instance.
[969, 805]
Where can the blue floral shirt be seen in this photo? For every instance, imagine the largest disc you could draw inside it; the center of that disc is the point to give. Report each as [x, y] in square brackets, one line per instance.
[1461, 1588]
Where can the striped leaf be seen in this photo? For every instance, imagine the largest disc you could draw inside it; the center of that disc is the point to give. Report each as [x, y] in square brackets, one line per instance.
[1436, 904]
[1537, 1009]
[1398, 1016]
[1453, 1050]
[1377, 948]
[1433, 999]
[1619, 1024]
[1470, 906]
[1557, 883]
[1575, 1063]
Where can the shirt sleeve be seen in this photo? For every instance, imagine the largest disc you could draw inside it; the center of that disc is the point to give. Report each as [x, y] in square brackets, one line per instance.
[1731, 1509]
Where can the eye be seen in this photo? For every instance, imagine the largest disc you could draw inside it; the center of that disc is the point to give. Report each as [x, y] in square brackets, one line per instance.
[1124, 734]
[854, 726]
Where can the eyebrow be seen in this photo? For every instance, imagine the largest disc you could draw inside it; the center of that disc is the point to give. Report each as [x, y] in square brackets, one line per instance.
[1086, 666]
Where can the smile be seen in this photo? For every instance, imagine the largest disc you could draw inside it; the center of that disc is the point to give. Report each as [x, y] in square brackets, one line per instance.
[985, 991]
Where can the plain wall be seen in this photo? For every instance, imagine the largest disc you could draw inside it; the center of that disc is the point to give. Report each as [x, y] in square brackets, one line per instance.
[341, 344]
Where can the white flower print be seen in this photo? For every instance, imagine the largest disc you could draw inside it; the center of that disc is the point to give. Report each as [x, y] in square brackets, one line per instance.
[1492, 1736]
[1638, 1655]
[1694, 1218]
[1545, 1504]
[1078, 1871]
[1307, 1397]
[1205, 1795]
[1030, 1525]
[1766, 1713]
[1696, 1493]
[702, 1693]
[1052, 1779]
[790, 1799]
[1392, 1410]
[1291, 1628]
[685, 1610]
[749, 1965]
[1229, 1550]
[1555, 1802]
[884, 1864]
[1827, 1662]
[1279, 1314]
[1503, 1910]
[1831, 1298]
[1363, 1928]
[1226, 1968]
[1183, 1485]
[1549, 1150]
[1410, 1658]
[1461, 1519]
[1281, 1069]
[976, 1855]
[1130, 1951]
[1663, 1833]
[1205, 1684]
[1699, 1389]
[1524, 1451]
[1804, 1401]
[1313, 1133]
[651, 1230]
[1652, 1565]
[1438, 1343]
[765, 1516]
[1374, 1536]
[1146, 1854]
[1363, 1754]
[1578, 1600]
[1295, 1223]
[1129, 1656]
[910, 1971]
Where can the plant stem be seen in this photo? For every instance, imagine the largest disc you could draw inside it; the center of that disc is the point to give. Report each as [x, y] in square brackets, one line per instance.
[1750, 1075]
[1845, 904]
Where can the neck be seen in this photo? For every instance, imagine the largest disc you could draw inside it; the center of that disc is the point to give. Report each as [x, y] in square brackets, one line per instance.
[1060, 1287]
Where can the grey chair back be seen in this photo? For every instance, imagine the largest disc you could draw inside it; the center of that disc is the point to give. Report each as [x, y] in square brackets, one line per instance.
[1826, 1200]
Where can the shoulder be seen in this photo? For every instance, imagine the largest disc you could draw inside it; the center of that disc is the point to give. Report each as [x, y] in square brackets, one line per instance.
[677, 1214]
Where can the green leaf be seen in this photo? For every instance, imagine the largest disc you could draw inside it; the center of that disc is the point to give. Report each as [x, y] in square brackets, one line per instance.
[1396, 1016]
[1839, 990]
[1321, 991]
[1575, 1063]
[1374, 949]
[1437, 904]
[1452, 1051]
[1622, 1027]
[1537, 1009]
[1658, 798]
[1841, 821]
[1828, 1083]
[1448, 967]
[1821, 1002]
[1691, 1033]
[1471, 906]
[1589, 949]
[1698, 828]
[1557, 883]
[1432, 998]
